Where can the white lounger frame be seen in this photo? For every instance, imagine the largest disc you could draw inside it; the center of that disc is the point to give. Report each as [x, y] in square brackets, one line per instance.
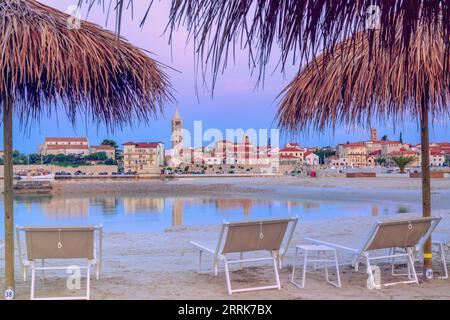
[439, 247]
[275, 256]
[26, 264]
[364, 254]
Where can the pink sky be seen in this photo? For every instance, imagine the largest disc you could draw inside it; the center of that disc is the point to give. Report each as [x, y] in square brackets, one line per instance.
[236, 104]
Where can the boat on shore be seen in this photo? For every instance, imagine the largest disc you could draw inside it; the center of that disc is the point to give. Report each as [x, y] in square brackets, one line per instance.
[35, 175]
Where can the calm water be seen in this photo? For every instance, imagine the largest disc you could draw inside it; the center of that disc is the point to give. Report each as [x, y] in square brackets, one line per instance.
[143, 213]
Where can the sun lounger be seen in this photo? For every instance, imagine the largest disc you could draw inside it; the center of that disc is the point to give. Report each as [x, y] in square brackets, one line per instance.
[60, 243]
[271, 236]
[405, 234]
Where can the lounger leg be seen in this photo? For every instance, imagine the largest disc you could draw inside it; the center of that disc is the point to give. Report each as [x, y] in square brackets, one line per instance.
[326, 266]
[355, 263]
[391, 252]
[227, 276]
[97, 271]
[199, 270]
[371, 279]
[294, 263]
[216, 267]
[43, 271]
[280, 261]
[33, 277]
[88, 281]
[275, 266]
[24, 272]
[242, 257]
[411, 264]
[443, 261]
[337, 269]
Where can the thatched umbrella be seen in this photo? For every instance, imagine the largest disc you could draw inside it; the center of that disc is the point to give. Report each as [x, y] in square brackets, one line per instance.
[46, 65]
[296, 27]
[353, 84]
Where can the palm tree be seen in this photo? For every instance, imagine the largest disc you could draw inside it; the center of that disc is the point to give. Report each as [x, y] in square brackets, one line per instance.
[87, 71]
[403, 161]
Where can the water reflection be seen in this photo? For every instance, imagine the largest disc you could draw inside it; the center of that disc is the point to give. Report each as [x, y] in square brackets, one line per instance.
[145, 213]
[133, 205]
[177, 213]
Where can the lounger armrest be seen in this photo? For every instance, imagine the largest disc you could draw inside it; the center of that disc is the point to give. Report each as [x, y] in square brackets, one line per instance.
[333, 245]
[202, 247]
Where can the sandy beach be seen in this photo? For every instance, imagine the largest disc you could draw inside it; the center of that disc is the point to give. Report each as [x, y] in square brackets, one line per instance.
[163, 265]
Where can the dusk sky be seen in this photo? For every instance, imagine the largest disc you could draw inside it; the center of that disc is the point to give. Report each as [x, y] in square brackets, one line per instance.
[236, 102]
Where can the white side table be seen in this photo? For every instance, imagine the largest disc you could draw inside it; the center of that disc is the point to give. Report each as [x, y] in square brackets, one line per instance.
[323, 254]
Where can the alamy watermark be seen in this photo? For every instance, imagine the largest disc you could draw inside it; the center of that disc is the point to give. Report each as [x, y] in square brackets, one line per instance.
[74, 279]
[74, 21]
[373, 17]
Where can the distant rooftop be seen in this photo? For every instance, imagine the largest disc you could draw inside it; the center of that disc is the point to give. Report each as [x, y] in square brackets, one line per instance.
[71, 139]
[143, 145]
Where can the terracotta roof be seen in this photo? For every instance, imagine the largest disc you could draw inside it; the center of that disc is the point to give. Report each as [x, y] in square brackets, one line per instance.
[354, 144]
[67, 146]
[61, 139]
[287, 149]
[402, 153]
[286, 156]
[375, 153]
[143, 145]
[443, 144]
[103, 147]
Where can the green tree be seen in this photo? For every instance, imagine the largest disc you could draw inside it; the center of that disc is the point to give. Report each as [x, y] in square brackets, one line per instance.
[324, 153]
[403, 161]
[98, 156]
[381, 160]
[109, 142]
[384, 138]
[110, 162]
[401, 137]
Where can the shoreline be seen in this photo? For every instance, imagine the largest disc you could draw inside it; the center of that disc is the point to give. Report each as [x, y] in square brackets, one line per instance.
[335, 189]
[162, 265]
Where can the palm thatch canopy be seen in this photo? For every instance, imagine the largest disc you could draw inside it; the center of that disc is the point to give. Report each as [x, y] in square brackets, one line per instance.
[87, 70]
[353, 83]
[300, 27]
[297, 27]
[45, 63]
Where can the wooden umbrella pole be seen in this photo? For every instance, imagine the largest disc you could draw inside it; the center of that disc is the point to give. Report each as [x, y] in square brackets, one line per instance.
[426, 185]
[8, 192]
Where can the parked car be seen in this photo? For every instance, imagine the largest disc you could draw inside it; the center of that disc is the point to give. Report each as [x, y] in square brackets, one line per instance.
[103, 174]
[63, 173]
[79, 173]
